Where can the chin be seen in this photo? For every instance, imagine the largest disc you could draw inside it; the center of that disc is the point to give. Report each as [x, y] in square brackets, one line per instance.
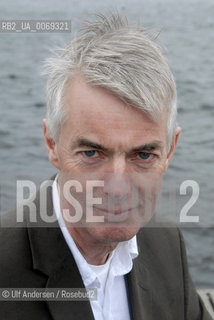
[112, 234]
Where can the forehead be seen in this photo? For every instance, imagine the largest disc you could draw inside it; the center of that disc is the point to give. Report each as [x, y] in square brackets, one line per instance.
[95, 112]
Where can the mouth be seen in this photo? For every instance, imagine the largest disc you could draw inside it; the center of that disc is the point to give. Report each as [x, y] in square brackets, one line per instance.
[117, 215]
[116, 211]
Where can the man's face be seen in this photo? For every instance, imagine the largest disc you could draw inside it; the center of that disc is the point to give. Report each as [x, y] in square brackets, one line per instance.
[103, 139]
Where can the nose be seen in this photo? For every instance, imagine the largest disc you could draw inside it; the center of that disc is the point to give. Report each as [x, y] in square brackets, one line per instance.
[117, 165]
[117, 179]
[117, 188]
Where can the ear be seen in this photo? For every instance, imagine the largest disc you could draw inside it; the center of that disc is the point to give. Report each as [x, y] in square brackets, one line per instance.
[173, 145]
[51, 147]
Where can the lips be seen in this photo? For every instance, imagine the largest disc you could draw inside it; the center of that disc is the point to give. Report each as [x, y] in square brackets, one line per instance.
[116, 211]
[118, 215]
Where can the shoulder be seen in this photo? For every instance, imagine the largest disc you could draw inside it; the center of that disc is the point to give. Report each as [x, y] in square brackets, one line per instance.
[162, 247]
[15, 246]
[14, 250]
[160, 235]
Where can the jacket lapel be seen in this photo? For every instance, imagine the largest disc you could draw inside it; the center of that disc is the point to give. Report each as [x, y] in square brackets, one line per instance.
[139, 289]
[67, 276]
[52, 257]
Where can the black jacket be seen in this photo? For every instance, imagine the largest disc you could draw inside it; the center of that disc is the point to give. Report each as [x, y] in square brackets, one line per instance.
[35, 255]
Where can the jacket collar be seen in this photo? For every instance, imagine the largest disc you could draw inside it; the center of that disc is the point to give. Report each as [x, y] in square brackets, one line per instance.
[52, 257]
[139, 285]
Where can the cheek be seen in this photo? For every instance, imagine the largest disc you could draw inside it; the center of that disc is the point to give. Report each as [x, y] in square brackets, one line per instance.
[71, 165]
[73, 191]
[149, 185]
[164, 165]
[67, 162]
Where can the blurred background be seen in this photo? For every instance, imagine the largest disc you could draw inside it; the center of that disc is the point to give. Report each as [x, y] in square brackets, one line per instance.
[186, 30]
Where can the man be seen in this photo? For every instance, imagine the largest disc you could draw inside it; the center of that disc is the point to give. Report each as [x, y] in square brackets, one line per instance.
[110, 132]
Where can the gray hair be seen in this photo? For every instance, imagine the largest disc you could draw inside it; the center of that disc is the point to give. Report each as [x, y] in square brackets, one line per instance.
[123, 59]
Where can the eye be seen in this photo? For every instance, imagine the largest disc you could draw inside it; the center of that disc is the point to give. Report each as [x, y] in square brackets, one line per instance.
[145, 155]
[90, 153]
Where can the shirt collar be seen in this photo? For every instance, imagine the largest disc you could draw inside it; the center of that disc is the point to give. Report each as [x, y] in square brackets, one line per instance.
[124, 253]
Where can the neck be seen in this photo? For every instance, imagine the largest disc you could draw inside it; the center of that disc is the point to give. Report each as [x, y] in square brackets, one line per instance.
[94, 252]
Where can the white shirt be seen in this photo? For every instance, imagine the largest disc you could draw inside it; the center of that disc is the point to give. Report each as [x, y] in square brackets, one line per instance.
[108, 279]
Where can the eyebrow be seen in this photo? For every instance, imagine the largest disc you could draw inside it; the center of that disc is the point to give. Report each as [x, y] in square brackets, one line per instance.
[83, 142]
[154, 145]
